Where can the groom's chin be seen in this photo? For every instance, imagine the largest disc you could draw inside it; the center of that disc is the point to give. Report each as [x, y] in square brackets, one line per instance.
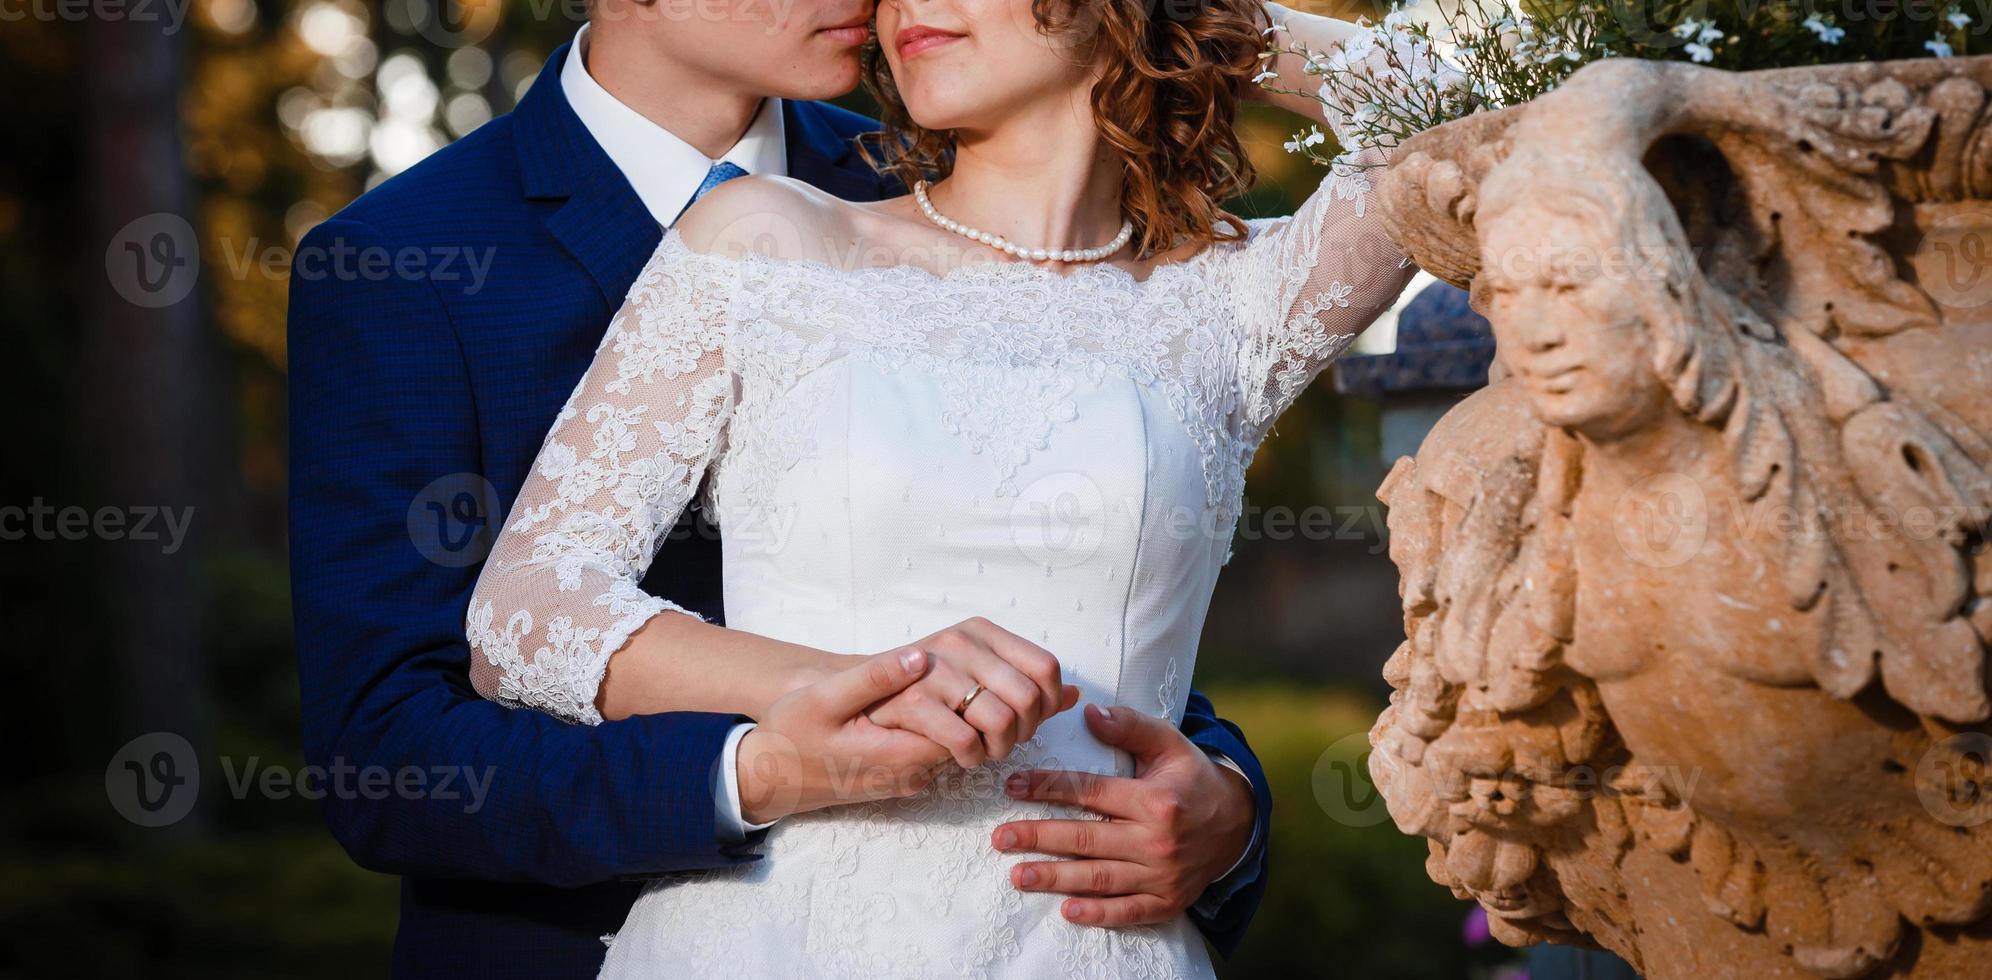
[833, 72]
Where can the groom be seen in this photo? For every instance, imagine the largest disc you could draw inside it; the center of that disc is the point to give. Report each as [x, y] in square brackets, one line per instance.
[419, 396]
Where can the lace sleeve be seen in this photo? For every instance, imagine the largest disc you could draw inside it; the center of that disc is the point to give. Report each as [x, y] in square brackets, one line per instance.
[559, 594]
[1308, 285]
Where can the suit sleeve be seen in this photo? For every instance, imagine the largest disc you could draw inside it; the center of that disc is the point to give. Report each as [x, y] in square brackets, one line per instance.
[1236, 895]
[383, 426]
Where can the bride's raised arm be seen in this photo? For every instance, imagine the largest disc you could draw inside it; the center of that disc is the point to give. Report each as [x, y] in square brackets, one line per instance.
[1312, 282]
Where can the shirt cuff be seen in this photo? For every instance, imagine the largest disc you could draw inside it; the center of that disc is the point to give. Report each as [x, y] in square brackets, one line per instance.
[731, 823]
[1228, 884]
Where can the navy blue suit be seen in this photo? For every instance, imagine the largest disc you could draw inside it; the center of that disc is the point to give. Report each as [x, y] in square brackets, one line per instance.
[437, 324]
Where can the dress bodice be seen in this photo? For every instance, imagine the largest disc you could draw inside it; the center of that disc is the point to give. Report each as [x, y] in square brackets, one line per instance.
[966, 387]
[892, 451]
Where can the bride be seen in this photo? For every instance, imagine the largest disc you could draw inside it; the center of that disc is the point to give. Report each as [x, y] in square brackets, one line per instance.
[1003, 421]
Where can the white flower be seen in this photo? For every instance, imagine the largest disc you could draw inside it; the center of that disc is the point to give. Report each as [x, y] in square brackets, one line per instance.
[1939, 48]
[1301, 141]
[1355, 51]
[1958, 19]
[1704, 32]
[1265, 76]
[1828, 33]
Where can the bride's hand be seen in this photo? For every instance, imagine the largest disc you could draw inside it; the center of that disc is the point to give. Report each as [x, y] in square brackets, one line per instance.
[1020, 685]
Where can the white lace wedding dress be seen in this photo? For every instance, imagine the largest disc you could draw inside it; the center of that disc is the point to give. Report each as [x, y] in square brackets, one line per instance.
[892, 452]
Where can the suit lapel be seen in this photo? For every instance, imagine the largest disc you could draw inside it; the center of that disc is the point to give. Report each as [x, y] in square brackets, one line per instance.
[819, 156]
[595, 214]
[608, 230]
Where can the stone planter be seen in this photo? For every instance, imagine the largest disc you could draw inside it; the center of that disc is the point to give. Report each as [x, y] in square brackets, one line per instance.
[1695, 588]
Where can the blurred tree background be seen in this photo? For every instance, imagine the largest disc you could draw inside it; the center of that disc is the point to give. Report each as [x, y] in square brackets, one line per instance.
[251, 120]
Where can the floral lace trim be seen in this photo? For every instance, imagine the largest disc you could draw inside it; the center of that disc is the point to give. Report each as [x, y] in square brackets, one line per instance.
[562, 677]
[1007, 342]
[1167, 693]
[609, 483]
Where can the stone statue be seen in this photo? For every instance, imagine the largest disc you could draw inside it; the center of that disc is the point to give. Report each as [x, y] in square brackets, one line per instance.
[1697, 590]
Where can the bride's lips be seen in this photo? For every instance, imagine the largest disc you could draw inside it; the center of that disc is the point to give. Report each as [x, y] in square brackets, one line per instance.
[853, 33]
[920, 38]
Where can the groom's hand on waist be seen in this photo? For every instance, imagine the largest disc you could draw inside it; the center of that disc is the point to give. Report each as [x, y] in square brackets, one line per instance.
[815, 747]
[1181, 823]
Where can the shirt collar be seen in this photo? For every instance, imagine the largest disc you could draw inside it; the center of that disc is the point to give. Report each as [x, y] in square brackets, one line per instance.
[665, 171]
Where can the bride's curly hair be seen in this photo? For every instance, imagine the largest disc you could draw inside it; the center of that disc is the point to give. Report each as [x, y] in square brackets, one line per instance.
[1167, 103]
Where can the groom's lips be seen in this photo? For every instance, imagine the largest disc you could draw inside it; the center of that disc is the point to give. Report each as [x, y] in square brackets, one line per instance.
[854, 33]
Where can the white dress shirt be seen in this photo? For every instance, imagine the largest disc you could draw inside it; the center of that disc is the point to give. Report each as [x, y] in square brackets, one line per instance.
[665, 172]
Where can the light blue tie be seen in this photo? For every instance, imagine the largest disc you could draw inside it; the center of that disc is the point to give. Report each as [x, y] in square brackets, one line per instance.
[720, 173]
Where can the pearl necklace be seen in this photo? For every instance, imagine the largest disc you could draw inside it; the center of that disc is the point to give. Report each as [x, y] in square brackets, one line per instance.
[1002, 244]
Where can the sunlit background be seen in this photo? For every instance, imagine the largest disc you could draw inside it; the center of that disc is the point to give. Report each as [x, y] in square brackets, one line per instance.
[255, 120]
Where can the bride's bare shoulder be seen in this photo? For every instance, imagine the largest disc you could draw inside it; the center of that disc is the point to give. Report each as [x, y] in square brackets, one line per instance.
[778, 217]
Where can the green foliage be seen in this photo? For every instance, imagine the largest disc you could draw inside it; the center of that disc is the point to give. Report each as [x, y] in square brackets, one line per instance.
[1757, 34]
[1343, 900]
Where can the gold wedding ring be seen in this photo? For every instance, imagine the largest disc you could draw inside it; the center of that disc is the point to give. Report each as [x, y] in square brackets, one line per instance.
[967, 699]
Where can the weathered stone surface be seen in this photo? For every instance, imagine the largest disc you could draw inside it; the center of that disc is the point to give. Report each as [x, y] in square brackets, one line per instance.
[1696, 589]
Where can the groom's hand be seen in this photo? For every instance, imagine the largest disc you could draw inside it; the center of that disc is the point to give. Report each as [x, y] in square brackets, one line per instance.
[815, 748]
[1172, 830]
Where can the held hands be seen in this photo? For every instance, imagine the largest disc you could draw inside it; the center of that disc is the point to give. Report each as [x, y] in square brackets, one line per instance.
[1010, 684]
[815, 748]
[884, 726]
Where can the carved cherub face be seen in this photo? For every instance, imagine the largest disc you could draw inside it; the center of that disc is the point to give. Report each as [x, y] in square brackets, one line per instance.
[1569, 323]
